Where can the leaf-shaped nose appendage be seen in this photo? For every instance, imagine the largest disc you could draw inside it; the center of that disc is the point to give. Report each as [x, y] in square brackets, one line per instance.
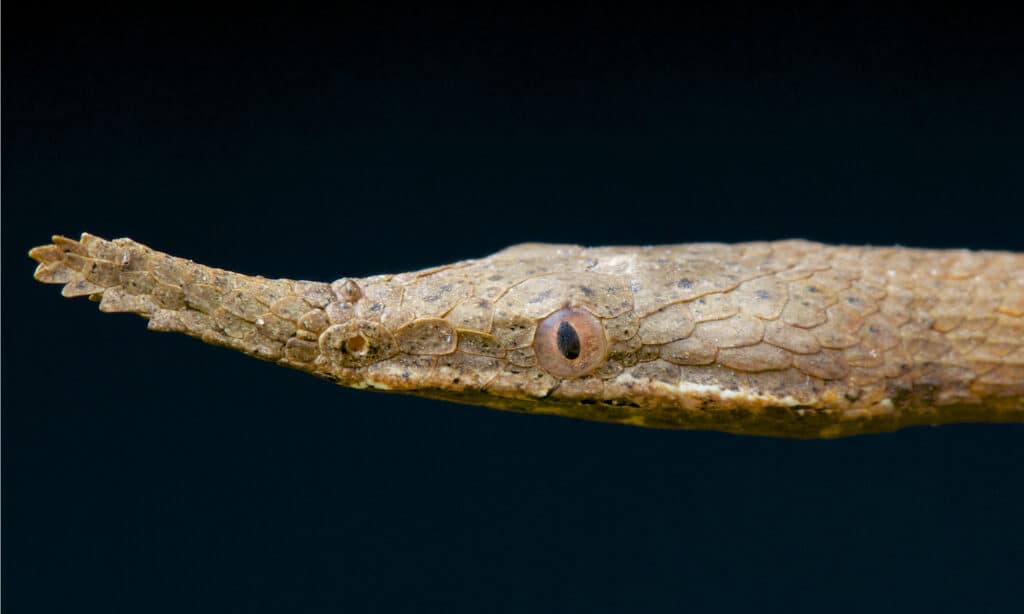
[356, 343]
[570, 343]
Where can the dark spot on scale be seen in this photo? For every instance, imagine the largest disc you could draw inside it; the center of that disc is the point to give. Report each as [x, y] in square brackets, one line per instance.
[853, 300]
[812, 289]
[494, 278]
[483, 304]
[436, 297]
[455, 381]
[684, 283]
[568, 341]
[586, 291]
[376, 307]
[873, 329]
[762, 294]
[540, 297]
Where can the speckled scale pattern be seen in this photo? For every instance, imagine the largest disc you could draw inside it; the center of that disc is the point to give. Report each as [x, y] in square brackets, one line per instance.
[788, 338]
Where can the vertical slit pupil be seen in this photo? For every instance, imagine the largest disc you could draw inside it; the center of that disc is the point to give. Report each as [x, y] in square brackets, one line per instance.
[568, 341]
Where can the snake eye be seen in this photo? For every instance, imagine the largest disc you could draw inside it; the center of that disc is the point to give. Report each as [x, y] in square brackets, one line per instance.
[570, 343]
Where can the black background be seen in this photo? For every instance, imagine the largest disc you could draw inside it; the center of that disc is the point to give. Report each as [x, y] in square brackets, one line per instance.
[152, 473]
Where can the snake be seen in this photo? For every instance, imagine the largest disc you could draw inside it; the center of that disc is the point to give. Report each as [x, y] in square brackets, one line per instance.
[789, 338]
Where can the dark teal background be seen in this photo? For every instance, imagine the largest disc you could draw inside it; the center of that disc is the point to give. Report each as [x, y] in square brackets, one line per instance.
[146, 473]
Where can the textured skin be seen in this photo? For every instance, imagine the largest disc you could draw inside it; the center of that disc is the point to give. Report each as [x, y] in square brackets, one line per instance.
[788, 338]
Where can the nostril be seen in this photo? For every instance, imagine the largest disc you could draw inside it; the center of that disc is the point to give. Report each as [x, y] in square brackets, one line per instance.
[355, 344]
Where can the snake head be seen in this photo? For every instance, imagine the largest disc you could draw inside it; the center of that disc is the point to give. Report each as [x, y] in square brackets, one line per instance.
[487, 333]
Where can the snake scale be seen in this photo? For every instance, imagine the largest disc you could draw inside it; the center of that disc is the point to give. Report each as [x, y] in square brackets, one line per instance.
[786, 338]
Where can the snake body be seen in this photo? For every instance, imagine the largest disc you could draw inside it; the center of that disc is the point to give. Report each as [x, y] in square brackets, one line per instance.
[787, 338]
